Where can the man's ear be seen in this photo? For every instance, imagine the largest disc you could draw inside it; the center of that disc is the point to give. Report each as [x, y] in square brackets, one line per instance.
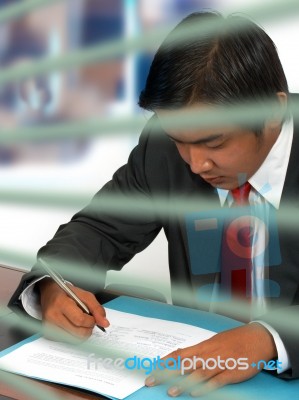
[283, 100]
[279, 112]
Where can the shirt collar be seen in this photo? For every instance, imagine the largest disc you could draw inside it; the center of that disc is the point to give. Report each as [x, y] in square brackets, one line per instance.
[269, 179]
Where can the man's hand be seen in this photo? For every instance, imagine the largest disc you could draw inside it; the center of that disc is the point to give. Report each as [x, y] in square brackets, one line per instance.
[60, 310]
[251, 342]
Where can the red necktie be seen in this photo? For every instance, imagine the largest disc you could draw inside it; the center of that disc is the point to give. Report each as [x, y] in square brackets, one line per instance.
[241, 194]
[236, 249]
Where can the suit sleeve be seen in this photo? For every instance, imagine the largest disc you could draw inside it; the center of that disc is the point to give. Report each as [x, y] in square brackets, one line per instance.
[285, 321]
[119, 222]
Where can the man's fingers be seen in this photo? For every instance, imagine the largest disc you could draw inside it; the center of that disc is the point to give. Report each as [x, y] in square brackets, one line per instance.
[179, 362]
[76, 316]
[162, 376]
[95, 308]
[67, 310]
[216, 382]
[61, 310]
[76, 322]
[79, 331]
[63, 330]
[191, 381]
[182, 353]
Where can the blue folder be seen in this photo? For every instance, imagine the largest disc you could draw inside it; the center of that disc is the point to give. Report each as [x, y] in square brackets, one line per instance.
[263, 386]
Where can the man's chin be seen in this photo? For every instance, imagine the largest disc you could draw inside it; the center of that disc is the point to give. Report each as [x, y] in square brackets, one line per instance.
[222, 183]
[218, 182]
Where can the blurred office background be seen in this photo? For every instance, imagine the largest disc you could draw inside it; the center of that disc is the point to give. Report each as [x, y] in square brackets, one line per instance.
[75, 168]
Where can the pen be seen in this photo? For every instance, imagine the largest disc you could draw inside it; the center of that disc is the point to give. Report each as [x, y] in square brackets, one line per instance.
[62, 283]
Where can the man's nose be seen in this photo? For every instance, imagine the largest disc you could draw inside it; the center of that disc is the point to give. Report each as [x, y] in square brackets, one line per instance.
[199, 160]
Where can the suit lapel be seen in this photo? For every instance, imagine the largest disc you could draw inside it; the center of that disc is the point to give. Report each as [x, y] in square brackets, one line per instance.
[291, 185]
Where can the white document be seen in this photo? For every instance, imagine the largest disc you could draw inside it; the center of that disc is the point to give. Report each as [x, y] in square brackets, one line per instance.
[102, 367]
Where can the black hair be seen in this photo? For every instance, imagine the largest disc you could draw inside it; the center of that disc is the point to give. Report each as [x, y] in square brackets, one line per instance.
[236, 62]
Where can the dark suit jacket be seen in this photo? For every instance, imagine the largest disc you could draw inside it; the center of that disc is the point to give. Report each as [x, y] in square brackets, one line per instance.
[102, 237]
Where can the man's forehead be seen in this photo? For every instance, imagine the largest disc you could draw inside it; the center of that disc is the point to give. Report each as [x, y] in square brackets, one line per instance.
[183, 126]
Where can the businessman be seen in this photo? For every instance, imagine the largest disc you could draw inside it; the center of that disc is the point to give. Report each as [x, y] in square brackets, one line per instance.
[207, 168]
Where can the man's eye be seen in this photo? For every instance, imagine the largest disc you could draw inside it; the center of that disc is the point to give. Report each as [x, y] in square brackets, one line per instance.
[215, 145]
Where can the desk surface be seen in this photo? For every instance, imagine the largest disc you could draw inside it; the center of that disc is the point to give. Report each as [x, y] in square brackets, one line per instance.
[9, 279]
